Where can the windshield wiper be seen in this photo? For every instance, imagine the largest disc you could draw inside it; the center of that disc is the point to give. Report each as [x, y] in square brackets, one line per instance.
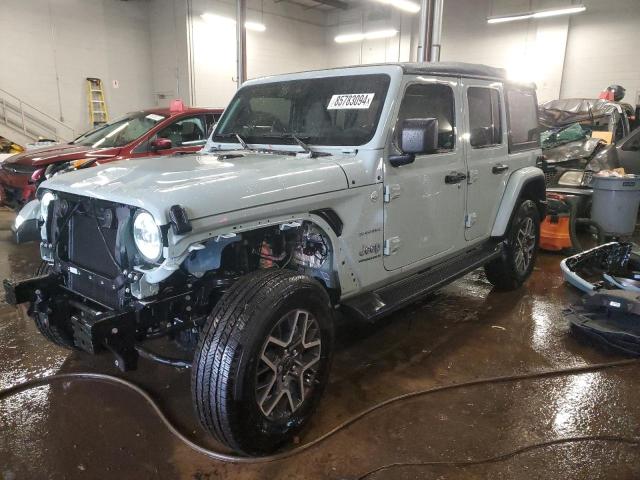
[298, 139]
[236, 136]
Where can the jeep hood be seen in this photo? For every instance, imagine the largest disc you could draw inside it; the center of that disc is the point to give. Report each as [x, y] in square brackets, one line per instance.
[205, 184]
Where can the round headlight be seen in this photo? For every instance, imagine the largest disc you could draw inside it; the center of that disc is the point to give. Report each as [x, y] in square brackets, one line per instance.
[146, 235]
[45, 201]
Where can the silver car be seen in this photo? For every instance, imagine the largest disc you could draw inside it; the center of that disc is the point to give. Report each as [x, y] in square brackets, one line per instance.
[355, 189]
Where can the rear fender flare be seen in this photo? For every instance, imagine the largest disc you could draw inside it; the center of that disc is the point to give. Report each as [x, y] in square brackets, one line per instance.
[527, 182]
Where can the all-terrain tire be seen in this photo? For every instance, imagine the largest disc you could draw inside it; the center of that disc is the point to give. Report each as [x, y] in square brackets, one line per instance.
[230, 351]
[60, 336]
[508, 272]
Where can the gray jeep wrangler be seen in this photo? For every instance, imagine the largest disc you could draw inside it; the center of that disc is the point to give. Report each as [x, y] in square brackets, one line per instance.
[356, 190]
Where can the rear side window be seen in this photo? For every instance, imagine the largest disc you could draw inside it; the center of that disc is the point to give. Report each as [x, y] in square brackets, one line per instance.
[633, 144]
[522, 115]
[485, 122]
[430, 101]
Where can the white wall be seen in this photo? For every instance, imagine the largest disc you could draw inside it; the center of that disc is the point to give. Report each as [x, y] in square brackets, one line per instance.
[169, 50]
[577, 55]
[108, 39]
[294, 40]
[373, 17]
[603, 49]
[528, 50]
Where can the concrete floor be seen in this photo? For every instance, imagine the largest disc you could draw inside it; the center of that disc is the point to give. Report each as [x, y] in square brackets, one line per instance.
[94, 430]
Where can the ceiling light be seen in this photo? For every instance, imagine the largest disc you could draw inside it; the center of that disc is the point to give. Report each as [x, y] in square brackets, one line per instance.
[540, 14]
[559, 11]
[211, 18]
[358, 37]
[255, 26]
[406, 5]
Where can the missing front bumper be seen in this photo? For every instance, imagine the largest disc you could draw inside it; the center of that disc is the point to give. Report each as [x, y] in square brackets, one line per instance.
[95, 328]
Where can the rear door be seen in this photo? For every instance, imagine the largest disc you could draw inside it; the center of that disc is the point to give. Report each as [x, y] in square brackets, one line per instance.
[486, 147]
[423, 212]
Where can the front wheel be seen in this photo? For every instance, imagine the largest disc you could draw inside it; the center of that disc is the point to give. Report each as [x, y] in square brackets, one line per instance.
[263, 360]
[521, 249]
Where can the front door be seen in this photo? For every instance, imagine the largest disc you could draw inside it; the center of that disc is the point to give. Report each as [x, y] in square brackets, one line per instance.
[425, 200]
[487, 155]
[187, 134]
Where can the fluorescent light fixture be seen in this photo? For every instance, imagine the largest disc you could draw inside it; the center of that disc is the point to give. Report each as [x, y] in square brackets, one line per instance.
[255, 26]
[406, 5]
[559, 11]
[358, 37]
[211, 18]
[540, 14]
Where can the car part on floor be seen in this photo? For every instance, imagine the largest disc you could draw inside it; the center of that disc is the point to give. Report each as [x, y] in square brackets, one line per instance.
[608, 319]
[226, 457]
[612, 262]
[610, 312]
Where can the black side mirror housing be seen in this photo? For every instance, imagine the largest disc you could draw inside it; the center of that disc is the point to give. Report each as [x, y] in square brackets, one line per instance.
[417, 135]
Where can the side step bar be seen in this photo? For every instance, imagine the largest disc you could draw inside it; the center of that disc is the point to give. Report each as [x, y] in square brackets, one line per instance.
[373, 305]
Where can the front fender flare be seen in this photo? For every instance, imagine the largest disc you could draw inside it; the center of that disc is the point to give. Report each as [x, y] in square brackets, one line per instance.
[518, 182]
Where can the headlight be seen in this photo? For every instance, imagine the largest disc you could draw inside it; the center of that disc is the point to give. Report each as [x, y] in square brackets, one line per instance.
[45, 201]
[571, 178]
[146, 235]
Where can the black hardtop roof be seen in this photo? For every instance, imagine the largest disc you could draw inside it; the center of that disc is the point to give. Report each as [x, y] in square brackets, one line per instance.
[454, 69]
[448, 69]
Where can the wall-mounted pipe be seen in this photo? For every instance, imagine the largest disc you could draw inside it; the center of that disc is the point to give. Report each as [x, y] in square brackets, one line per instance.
[241, 37]
[436, 30]
[424, 34]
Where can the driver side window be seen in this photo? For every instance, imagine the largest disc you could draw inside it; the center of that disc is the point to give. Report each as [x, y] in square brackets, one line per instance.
[430, 101]
[189, 131]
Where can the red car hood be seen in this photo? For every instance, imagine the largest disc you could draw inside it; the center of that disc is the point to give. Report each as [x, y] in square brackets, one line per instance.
[60, 153]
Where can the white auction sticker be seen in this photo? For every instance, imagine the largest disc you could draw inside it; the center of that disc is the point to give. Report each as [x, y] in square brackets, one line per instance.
[350, 100]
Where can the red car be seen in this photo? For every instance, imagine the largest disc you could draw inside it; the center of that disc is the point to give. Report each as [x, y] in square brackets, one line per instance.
[138, 134]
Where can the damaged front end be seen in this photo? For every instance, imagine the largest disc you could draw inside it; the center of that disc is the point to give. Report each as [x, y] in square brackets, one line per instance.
[94, 276]
[578, 139]
[110, 283]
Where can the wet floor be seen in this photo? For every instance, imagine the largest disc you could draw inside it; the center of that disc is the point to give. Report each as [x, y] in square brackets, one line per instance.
[90, 430]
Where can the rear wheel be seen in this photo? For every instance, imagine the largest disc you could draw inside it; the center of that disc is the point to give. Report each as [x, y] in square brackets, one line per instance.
[521, 249]
[263, 360]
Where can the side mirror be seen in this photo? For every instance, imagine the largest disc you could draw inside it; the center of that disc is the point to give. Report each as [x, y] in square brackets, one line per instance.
[161, 144]
[417, 135]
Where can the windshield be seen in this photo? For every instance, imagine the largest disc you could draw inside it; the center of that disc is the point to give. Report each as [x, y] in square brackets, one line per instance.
[321, 111]
[119, 132]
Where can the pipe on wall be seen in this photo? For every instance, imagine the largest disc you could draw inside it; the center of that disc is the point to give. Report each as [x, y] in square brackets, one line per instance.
[241, 38]
[436, 30]
[424, 35]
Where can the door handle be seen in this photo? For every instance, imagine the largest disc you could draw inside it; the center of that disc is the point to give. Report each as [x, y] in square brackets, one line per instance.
[455, 177]
[499, 168]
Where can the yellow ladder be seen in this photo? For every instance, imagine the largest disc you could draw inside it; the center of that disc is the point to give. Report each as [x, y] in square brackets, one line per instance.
[98, 114]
